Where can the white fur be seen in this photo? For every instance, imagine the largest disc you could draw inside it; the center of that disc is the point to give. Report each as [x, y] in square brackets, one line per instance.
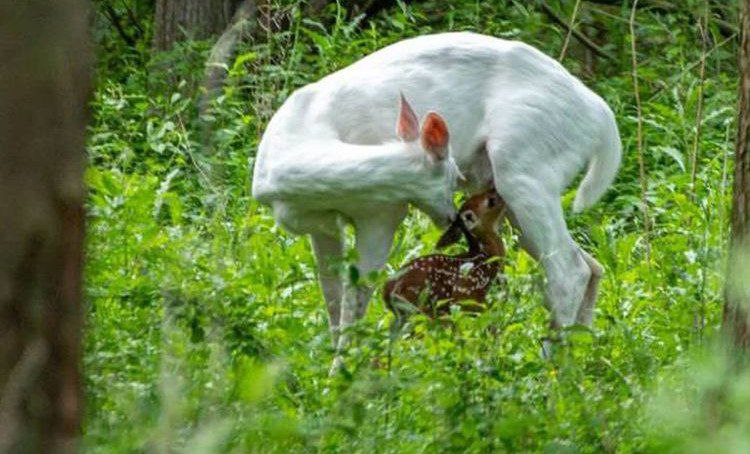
[515, 116]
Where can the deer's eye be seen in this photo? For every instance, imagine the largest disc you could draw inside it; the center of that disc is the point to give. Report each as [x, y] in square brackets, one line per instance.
[491, 202]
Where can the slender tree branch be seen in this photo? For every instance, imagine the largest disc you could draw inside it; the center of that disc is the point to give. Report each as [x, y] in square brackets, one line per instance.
[579, 36]
[114, 19]
[703, 27]
[726, 27]
[133, 19]
[690, 67]
[639, 136]
[571, 27]
[724, 177]
[660, 5]
[609, 15]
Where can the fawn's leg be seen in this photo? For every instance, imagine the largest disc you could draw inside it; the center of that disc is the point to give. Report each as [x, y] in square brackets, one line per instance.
[329, 255]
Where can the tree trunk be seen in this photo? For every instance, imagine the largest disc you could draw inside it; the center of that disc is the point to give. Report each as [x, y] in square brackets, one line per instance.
[44, 89]
[219, 59]
[177, 20]
[737, 305]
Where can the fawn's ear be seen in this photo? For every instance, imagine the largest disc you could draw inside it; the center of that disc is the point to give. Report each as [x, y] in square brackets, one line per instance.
[407, 125]
[435, 136]
[450, 236]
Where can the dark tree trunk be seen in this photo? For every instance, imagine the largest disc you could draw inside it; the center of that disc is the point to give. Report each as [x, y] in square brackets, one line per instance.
[44, 88]
[177, 20]
[737, 305]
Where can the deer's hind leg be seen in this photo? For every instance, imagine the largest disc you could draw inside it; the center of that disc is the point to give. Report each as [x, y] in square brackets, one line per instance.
[586, 311]
[325, 232]
[329, 253]
[539, 215]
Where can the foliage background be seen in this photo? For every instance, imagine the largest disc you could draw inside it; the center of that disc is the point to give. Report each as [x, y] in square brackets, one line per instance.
[206, 330]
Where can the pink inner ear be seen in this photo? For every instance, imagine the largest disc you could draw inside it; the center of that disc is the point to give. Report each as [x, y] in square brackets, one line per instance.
[435, 135]
[407, 126]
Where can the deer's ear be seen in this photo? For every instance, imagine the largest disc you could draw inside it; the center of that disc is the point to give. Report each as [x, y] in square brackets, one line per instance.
[407, 125]
[450, 236]
[435, 136]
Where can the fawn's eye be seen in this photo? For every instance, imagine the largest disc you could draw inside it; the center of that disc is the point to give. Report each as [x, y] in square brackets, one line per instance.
[491, 202]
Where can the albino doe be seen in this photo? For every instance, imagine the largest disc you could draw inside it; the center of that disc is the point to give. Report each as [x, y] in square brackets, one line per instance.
[442, 279]
[517, 117]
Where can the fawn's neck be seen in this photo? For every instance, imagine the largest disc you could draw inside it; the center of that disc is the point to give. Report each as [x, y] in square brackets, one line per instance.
[491, 244]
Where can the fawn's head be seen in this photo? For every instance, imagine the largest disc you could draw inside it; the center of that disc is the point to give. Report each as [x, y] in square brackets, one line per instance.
[479, 216]
[432, 139]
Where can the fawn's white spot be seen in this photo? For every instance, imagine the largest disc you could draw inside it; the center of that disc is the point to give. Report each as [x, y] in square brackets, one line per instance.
[466, 267]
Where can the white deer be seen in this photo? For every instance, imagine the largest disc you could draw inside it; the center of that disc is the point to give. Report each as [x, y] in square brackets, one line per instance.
[516, 117]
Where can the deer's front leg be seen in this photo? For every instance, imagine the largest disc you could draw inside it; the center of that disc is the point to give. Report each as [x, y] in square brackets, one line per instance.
[374, 238]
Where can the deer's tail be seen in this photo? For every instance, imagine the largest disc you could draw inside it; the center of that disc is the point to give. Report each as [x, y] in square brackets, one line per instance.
[602, 169]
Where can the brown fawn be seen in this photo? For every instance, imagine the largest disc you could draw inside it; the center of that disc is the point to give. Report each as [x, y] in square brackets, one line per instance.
[432, 282]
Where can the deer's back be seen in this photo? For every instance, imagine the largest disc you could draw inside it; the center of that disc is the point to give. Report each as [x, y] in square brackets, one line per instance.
[480, 84]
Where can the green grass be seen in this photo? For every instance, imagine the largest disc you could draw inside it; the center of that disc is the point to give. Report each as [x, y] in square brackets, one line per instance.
[207, 331]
